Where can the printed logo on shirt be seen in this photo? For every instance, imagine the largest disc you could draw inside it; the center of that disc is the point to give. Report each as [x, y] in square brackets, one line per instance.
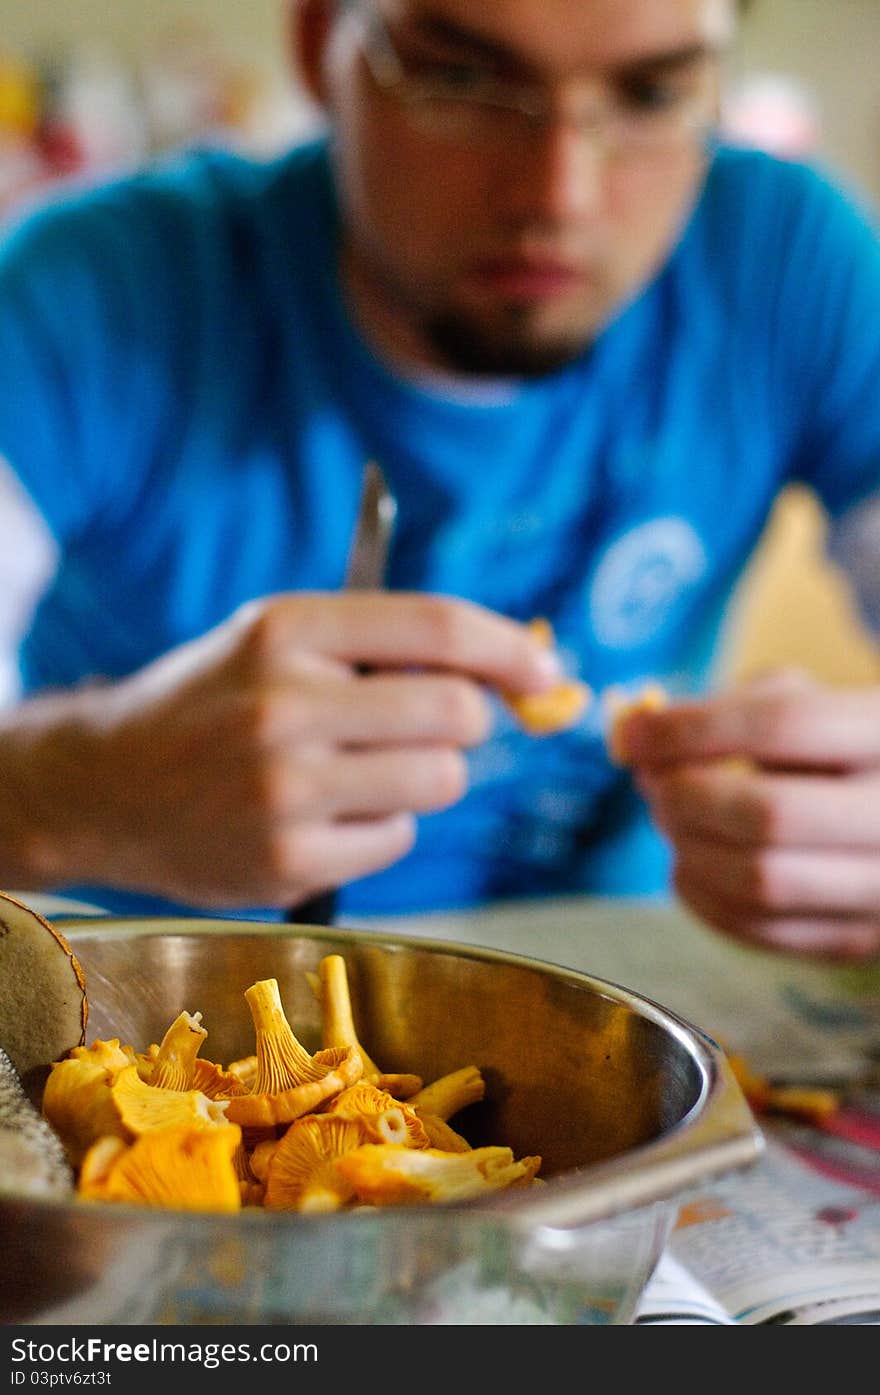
[641, 577]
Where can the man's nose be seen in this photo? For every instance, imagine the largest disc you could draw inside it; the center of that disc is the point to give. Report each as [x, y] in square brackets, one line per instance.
[557, 171]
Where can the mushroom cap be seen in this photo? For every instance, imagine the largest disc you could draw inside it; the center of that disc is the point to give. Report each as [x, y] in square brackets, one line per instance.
[145, 1108]
[77, 1099]
[558, 708]
[182, 1167]
[542, 714]
[382, 1118]
[260, 1111]
[215, 1082]
[301, 1175]
[43, 1004]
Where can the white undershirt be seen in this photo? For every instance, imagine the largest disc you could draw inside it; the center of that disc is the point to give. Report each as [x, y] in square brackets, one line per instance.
[28, 561]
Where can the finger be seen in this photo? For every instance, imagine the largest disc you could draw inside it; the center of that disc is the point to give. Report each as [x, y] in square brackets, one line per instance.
[794, 726]
[316, 857]
[829, 938]
[715, 800]
[373, 708]
[399, 629]
[784, 881]
[323, 784]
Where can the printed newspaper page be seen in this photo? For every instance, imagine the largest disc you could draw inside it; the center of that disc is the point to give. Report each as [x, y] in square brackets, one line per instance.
[782, 1243]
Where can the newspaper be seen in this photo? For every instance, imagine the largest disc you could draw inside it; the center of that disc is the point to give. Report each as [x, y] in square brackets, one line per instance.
[781, 1244]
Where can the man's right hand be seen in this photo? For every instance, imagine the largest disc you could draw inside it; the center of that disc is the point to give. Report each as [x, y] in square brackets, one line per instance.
[283, 753]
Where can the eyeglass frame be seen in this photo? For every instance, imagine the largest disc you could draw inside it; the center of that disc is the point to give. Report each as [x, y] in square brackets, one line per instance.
[388, 71]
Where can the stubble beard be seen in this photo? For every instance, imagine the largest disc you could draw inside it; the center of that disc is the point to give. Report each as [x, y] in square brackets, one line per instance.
[509, 349]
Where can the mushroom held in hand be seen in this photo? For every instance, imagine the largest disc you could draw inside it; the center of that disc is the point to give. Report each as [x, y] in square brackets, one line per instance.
[543, 714]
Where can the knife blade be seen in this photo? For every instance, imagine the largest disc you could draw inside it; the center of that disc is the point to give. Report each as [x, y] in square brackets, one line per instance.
[364, 571]
[368, 553]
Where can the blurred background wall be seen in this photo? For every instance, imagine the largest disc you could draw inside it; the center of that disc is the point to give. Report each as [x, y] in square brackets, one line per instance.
[87, 85]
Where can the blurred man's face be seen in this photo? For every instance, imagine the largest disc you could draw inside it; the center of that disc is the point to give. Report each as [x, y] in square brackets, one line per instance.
[512, 172]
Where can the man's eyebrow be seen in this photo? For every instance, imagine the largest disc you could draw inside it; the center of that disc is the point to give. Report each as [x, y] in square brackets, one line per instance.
[454, 34]
[667, 60]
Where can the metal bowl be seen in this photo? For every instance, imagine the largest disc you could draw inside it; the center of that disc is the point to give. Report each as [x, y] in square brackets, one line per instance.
[626, 1103]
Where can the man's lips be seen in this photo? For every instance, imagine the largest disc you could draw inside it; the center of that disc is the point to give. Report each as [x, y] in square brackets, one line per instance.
[527, 277]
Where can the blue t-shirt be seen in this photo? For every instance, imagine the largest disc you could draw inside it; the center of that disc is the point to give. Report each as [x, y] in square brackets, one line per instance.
[190, 407]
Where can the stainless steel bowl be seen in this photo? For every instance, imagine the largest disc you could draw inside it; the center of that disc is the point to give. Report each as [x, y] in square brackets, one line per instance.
[626, 1103]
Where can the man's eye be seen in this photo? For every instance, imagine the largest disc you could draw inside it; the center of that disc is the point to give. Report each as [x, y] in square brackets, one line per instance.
[647, 97]
[454, 77]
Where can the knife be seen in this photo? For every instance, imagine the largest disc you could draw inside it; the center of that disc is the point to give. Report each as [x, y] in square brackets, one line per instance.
[364, 571]
[368, 554]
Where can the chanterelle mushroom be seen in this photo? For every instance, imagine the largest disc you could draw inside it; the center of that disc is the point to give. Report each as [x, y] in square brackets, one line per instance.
[184, 1167]
[289, 1081]
[338, 1029]
[543, 714]
[77, 1100]
[172, 1063]
[382, 1118]
[448, 1094]
[144, 1108]
[301, 1174]
[383, 1174]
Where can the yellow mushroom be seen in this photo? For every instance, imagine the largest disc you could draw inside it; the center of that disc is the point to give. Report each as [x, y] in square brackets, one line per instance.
[338, 1029]
[77, 1099]
[245, 1071]
[652, 697]
[289, 1081]
[383, 1118]
[440, 1135]
[448, 1094]
[542, 714]
[172, 1063]
[183, 1167]
[301, 1174]
[259, 1157]
[387, 1174]
[144, 1108]
[97, 1162]
[215, 1082]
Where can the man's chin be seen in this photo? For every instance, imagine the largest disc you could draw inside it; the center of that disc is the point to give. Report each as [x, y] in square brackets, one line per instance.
[512, 351]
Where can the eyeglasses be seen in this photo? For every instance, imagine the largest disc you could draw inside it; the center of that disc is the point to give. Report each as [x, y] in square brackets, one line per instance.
[462, 102]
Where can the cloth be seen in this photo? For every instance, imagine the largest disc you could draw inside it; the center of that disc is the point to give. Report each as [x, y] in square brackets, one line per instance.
[189, 407]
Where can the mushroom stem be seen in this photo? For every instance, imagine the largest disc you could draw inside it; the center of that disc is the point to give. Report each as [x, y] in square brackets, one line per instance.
[449, 1093]
[282, 1060]
[338, 1019]
[175, 1062]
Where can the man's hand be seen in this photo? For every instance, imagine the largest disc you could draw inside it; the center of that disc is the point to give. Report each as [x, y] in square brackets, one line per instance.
[283, 753]
[770, 797]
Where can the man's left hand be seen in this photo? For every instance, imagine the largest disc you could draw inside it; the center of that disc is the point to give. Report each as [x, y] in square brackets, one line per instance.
[770, 797]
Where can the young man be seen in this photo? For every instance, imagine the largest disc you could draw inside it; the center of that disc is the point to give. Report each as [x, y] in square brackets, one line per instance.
[588, 348]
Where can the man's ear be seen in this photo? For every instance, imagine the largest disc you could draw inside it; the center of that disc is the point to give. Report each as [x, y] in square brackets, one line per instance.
[309, 27]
